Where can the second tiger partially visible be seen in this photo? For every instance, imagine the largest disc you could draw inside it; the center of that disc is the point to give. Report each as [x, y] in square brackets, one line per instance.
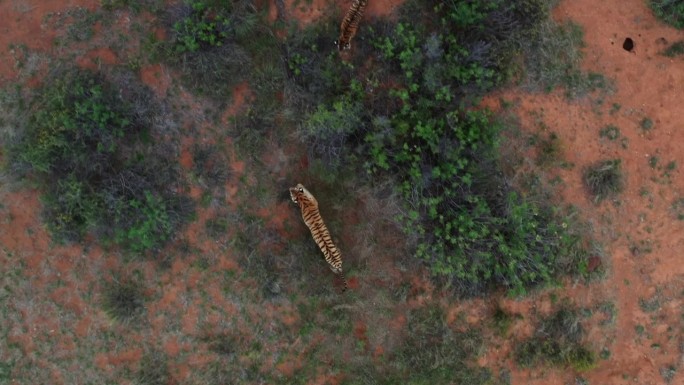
[350, 24]
[313, 220]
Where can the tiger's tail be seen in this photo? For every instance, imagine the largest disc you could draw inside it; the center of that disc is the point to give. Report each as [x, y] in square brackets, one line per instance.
[344, 280]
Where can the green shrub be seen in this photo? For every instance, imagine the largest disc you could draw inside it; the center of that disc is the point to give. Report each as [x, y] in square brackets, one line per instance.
[214, 42]
[675, 49]
[604, 179]
[202, 29]
[123, 300]
[557, 341]
[473, 229]
[88, 148]
[610, 132]
[671, 11]
[501, 321]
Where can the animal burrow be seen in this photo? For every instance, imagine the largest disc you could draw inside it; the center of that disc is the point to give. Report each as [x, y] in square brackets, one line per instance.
[628, 45]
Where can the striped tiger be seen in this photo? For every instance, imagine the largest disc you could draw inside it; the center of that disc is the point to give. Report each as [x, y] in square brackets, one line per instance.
[350, 24]
[313, 220]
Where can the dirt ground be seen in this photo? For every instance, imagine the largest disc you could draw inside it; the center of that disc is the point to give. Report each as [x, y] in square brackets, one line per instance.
[55, 326]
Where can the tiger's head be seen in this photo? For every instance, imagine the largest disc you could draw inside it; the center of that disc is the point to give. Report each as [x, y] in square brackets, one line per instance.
[342, 46]
[300, 195]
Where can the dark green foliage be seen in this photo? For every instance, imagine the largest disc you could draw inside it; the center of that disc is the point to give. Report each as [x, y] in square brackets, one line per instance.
[203, 29]
[214, 43]
[315, 72]
[675, 49]
[89, 149]
[610, 132]
[672, 11]
[473, 229]
[557, 341]
[135, 5]
[123, 300]
[678, 208]
[6, 372]
[549, 151]
[502, 321]
[604, 179]
[646, 124]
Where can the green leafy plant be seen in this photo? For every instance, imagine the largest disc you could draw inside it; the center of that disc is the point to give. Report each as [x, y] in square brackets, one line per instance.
[671, 11]
[84, 144]
[473, 230]
[610, 132]
[646, 124]
[204, 27]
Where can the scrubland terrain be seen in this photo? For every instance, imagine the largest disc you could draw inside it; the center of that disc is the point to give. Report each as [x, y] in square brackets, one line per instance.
[502, 177]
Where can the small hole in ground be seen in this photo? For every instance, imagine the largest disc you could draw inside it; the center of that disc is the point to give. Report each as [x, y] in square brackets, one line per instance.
[628, 45]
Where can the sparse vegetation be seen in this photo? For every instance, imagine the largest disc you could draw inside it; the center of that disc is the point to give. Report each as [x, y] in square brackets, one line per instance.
[675, 49]
[550, 150]
[604, 179]
[433, 354]
[668, 372]
[557, 341]
[154, 369]
[678, 208]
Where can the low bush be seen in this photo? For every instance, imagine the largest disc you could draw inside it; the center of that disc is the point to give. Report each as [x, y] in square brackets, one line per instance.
[604, 179]
[123, 301]
[212, 43]
[557, 341]
[90, 151]
[675, 49]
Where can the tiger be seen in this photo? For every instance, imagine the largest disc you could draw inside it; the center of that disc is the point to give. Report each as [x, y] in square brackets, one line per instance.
[313, 220]
[350, 24]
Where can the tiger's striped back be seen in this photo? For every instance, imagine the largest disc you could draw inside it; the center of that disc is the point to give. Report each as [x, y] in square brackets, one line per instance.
[350, 24]
[313, 220]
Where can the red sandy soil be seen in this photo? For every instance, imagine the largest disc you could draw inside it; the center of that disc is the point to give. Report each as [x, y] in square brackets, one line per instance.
[647, 85]
[56, 322]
